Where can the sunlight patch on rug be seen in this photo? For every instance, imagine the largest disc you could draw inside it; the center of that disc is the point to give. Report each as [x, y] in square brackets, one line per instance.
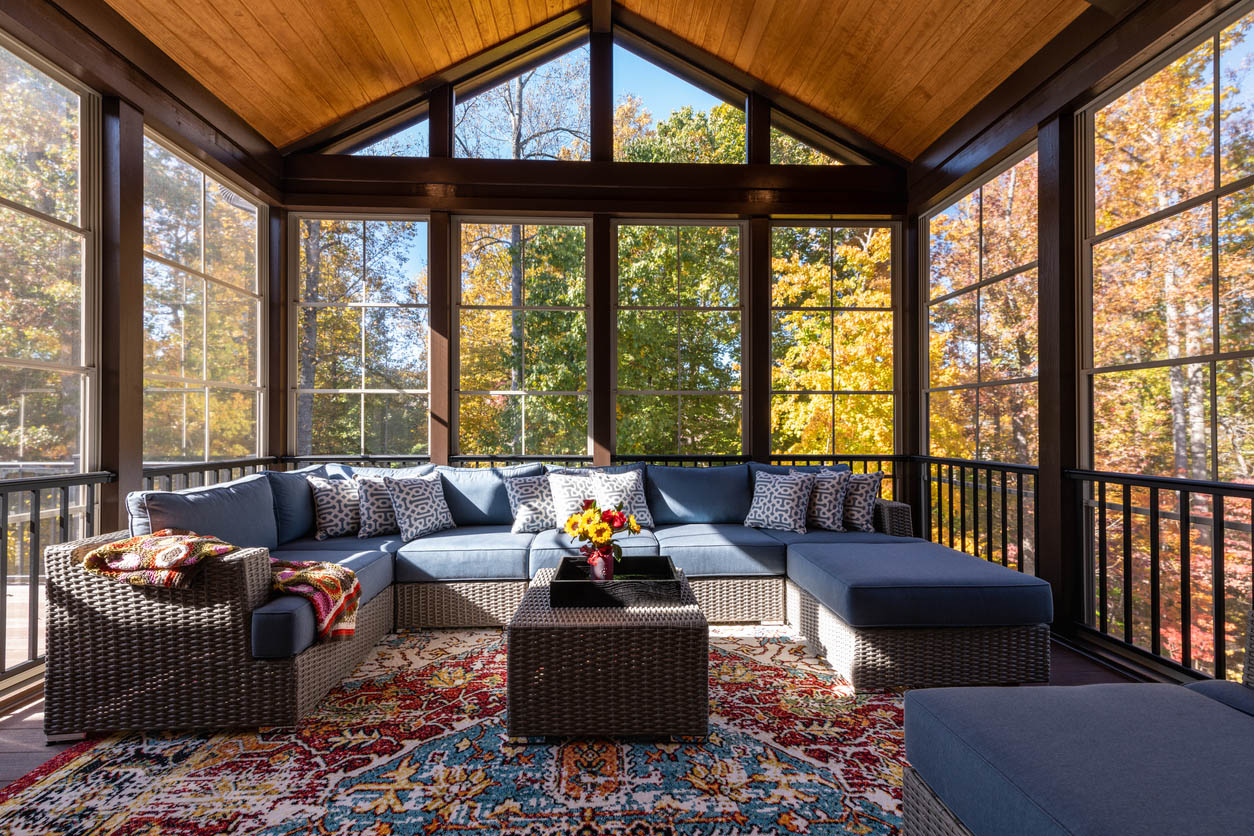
[414, 743]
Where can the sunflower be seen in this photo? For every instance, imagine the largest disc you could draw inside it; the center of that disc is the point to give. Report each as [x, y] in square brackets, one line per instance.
[600, 533]
[574, 525]
[632, 525]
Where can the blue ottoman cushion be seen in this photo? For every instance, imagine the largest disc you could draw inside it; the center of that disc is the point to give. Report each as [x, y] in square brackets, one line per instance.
[713, 549]
[549, 547]
[821, 535]
[1232, 694]
[284, 627]
[465, 553]
[917, 584]
[1092, 759]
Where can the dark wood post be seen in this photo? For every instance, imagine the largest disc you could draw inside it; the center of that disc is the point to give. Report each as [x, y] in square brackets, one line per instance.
[277, 354]
[440, 121]
[601, 337]
[1059, 552]
[121, 306]
[601, 78]
[757, 129]
[756, 381]
[911, 342]
[440, 237]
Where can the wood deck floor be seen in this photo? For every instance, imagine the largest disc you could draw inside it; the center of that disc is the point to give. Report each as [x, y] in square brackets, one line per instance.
[23, 747]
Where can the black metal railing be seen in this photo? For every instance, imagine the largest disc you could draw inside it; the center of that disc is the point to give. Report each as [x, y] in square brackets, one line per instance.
[1167, 567]
[176, 476]
[37, 512]
[510, 461]
[679, 461]
[987, 509]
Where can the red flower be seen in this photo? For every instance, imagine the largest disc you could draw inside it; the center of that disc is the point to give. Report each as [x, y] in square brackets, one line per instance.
[588, 503]
[607, 516]
[620, 520]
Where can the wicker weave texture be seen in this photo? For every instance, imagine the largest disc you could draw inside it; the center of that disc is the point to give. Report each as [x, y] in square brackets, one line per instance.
[889, 658]
[923, 814]
[122, 657]
[735, 600]
[607, 672]
[464, 604]
[893, 518]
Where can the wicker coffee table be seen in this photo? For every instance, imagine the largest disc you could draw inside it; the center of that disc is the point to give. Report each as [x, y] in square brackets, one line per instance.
[607, 672]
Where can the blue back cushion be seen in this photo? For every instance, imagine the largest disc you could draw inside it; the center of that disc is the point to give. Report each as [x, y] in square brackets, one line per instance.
[679, 495]
[476, 495]
[240, 512]
[757, 467]
[293, 501]
[395, 472]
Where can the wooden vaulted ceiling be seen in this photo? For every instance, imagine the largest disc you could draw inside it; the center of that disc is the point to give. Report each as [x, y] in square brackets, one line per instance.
[899, 72]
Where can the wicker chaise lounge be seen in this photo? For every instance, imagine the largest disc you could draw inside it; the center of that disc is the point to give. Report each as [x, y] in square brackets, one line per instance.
[1055, 761]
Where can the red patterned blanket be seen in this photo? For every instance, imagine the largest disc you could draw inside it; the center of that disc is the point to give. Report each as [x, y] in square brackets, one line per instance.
[170, 557]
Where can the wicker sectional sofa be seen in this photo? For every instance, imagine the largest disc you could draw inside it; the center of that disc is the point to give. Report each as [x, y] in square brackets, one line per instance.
[224, 654]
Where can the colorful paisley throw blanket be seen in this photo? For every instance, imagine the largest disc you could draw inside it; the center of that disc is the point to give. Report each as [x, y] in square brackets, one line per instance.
[169, 557]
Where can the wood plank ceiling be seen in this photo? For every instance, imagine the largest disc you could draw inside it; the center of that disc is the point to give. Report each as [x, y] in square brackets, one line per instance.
[897, 71]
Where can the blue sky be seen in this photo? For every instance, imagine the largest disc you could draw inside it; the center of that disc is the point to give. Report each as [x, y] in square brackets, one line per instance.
[661, 91]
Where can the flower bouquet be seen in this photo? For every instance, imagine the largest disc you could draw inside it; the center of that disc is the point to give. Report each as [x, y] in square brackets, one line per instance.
[595, 527]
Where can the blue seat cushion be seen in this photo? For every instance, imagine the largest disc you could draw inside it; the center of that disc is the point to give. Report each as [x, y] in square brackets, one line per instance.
[476, 495]
[293, 501]
[721, 549]
[549, 547]
[917, 584]
[1092, 759]
[285, 626]
[240, 512]
[1232, 694]
[820, 535]
[465, 553]
[390, 543]
[681, 495]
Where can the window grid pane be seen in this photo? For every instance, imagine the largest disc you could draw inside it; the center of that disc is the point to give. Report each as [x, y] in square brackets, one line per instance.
[362, 341]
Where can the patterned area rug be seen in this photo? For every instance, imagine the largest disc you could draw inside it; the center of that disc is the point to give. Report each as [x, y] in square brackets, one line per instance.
[414, 743]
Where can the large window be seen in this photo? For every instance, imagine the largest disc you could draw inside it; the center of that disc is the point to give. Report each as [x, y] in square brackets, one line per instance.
[202, 314]
[413, 140]
[522, 339]
[982, 321]
[362, 384]
[539, 114]
[832, 340]
[1170, 234]
[679, 350]
[46, 255]
[660, 118]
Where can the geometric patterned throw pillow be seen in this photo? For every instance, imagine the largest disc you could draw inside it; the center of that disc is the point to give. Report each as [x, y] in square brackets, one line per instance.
[420, 505]
[780, 501]
[827, 500]
[336, 506]
[864, 489]
[531, 503]
[626, 489]
[569, 491]
[377, 514]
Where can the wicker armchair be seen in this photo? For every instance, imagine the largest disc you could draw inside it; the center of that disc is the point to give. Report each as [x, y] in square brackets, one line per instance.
[136, 658]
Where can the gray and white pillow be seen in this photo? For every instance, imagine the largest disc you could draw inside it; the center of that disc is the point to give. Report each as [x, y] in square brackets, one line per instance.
[420, 505]
[780, 501]
[377, 515]
[626, 489]
[827, 500]
[531, 503]
[864, 489]
[337, 512]
[569, 492]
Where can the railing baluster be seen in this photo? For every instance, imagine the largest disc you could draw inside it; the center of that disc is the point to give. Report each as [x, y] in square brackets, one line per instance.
[1219, 589]
[89, 511]
[988, 513]
[951, 506]
[1019, 520]
[65, 514]
[1102, 572]
[1127, 563]
[32, 604]
[1005, 522]
[962, 497]
[1186, 609]
[1156, 615]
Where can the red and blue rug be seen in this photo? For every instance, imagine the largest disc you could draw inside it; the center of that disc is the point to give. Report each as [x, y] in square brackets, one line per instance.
[415, 743]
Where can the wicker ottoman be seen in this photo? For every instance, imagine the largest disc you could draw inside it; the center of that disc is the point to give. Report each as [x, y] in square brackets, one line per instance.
[607, 672]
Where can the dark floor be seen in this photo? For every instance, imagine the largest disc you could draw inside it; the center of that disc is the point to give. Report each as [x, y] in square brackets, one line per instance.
[23, 748]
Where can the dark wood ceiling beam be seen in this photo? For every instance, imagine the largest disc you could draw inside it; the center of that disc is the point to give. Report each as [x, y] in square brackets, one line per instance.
[96, 45]
[315, 181]
[1095, 52]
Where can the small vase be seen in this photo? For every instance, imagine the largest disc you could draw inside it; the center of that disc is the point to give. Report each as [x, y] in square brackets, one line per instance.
[601, 568]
